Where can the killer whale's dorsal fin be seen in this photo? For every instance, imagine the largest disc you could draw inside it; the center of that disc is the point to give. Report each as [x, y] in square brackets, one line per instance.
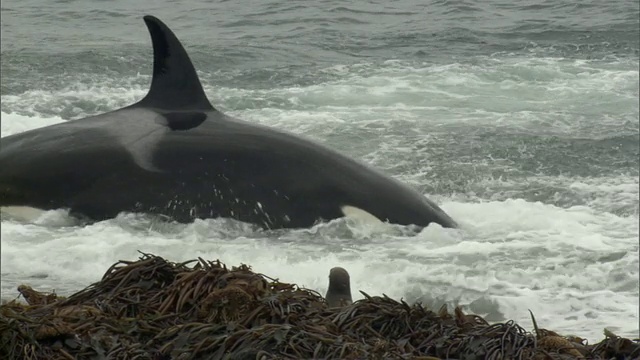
[175, 84]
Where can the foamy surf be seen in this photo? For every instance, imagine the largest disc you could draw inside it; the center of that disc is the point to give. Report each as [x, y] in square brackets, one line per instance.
[515, 255]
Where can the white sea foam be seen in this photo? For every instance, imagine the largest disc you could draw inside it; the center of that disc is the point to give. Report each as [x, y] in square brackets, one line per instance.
[574, 268]
[14, 123]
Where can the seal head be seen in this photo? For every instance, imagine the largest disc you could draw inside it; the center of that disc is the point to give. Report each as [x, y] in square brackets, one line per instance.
[339, 292]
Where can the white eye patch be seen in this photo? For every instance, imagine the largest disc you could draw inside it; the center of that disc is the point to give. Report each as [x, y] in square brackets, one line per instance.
[21, 213]
[358, 214]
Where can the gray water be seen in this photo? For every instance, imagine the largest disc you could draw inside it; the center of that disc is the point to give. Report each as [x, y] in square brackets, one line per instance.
[520, 118]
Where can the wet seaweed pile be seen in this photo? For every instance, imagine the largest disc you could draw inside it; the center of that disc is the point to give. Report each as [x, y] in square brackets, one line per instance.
[156, 309]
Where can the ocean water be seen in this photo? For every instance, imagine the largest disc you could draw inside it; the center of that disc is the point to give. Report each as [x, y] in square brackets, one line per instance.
[520, 118]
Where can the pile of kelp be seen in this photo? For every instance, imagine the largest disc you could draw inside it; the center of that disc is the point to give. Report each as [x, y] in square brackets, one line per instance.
[155, 309]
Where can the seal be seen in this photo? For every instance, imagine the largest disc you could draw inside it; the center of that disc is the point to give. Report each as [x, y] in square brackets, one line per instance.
[339, 291]
[173, 154]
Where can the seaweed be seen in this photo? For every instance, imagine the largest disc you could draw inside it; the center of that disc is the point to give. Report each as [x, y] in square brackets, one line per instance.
[159, 310]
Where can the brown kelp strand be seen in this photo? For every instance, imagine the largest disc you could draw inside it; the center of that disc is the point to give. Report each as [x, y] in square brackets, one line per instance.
[159, 310]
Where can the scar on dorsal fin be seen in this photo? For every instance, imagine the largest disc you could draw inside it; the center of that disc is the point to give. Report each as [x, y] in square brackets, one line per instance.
[175, 84]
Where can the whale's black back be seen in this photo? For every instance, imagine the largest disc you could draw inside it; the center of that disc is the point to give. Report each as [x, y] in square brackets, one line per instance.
[174, 154]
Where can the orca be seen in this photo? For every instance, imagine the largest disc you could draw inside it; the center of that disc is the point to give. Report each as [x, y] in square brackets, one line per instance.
[173, 154]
